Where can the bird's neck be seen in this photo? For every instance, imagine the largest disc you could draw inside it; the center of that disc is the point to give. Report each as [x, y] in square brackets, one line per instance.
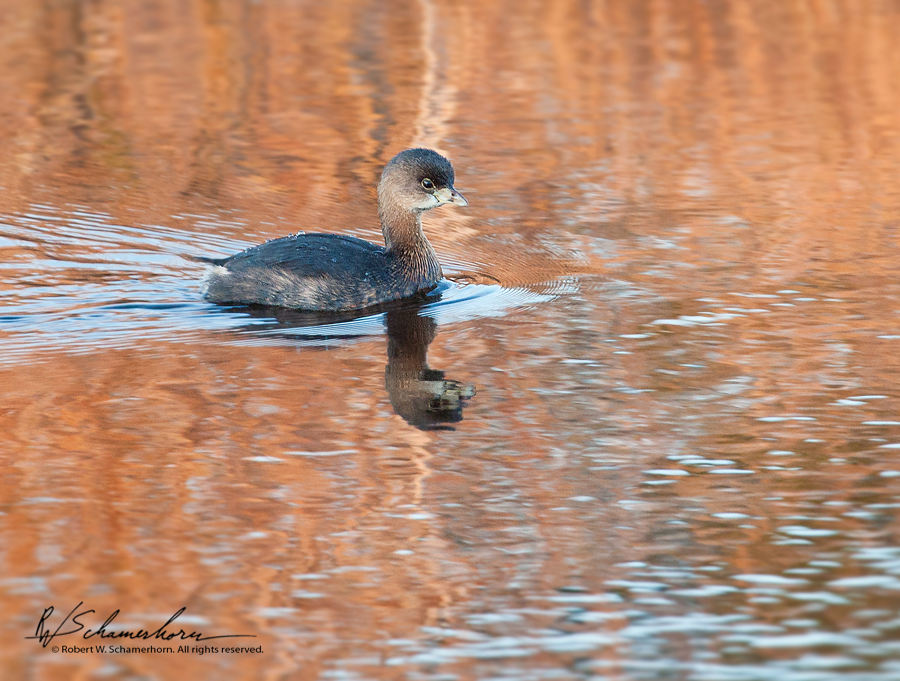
[401, 228]
[406, 242]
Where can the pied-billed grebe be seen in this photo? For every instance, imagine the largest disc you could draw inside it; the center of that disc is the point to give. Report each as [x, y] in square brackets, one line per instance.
[333, 272]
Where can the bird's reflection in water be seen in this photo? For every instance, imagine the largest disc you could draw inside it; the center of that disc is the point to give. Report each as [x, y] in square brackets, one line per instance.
[418, 393]
[421, 395]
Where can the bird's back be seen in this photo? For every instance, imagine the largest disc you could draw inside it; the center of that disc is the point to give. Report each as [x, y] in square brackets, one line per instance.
[307, 271]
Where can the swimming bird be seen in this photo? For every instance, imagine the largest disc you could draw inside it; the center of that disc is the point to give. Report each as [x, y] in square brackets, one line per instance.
[331, 272]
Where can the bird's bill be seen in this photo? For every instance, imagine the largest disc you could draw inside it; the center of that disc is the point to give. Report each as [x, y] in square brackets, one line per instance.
[450, 195]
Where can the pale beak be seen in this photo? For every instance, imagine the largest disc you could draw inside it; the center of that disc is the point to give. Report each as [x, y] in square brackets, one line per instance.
[450, 195]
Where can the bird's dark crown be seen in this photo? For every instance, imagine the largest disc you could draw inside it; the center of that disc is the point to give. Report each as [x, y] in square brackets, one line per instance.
[422, 164]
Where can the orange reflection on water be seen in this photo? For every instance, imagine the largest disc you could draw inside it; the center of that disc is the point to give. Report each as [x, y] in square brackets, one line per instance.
[700, 196]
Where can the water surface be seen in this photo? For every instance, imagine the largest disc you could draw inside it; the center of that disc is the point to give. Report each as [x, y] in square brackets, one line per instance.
[649, 428]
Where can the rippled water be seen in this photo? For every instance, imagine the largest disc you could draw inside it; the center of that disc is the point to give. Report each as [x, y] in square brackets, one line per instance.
[82, 282]
[648, 428]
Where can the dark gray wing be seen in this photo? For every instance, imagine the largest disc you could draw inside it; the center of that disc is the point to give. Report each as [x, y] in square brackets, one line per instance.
[310, 255]
[305, 272]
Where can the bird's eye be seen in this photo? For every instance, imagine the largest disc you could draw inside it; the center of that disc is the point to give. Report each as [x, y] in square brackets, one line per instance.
[428, 184]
